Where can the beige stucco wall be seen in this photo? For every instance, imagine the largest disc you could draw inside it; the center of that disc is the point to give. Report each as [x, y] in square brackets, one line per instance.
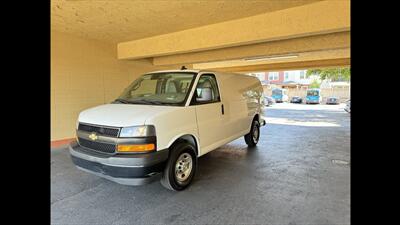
[85, 73]
[321, 17]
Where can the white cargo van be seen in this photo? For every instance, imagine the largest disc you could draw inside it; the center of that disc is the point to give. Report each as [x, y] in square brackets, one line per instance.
[163, 122]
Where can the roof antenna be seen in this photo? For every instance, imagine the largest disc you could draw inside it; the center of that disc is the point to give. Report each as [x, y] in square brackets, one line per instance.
[183, 68]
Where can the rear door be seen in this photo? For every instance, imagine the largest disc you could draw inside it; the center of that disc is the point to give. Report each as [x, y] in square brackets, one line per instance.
[209, 112]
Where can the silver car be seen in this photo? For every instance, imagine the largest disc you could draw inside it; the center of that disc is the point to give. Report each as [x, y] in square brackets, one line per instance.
[347, 108]
[268, 100]
[332, 101]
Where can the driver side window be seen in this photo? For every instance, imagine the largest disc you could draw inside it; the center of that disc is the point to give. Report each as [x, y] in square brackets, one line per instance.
[206, 90]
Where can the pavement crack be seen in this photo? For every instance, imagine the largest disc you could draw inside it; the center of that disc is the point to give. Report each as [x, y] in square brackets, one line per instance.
[86, 189]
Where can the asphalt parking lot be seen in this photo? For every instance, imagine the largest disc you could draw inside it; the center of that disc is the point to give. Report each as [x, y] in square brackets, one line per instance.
[298, 174]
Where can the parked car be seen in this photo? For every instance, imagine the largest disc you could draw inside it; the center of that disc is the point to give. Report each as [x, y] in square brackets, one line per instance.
[332, 101]
[163, 122]
[296, 99]
[269, 100]
[347, 107]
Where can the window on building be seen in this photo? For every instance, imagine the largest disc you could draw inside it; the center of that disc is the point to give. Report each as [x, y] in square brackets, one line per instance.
[260, 76]
[302, 75]
[273, 76]
[286, 75]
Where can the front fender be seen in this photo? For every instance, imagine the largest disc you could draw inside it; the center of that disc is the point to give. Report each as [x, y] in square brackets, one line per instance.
[185, 136]
[173, 124]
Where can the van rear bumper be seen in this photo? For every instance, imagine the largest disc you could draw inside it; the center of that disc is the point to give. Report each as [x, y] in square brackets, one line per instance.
[312, 101]
[128, 169]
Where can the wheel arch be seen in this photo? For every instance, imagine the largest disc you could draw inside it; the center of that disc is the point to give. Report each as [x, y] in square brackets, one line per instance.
[192, 139]
[255, 117]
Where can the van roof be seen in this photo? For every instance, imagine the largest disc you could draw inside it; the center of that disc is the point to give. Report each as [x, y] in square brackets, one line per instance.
[195, 71]
[174, 71]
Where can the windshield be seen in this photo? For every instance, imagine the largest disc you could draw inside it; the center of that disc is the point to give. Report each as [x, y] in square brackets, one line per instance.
[313, 93]
[277, 92]
[158, 89]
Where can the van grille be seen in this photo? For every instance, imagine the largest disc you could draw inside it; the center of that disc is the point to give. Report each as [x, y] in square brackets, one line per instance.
[105, 131]
[98, 146]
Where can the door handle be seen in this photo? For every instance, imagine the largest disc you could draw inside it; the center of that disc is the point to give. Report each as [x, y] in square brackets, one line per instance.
[222, 109]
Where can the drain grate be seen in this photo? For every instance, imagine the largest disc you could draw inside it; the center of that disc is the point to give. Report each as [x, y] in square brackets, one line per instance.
[340, 162]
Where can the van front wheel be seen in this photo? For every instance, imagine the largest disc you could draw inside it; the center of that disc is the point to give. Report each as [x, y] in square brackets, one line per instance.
[180, 168]
[253, 136]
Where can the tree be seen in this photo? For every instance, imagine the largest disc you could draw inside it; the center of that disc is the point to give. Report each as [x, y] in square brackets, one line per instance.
[334, 74]
[315, 84]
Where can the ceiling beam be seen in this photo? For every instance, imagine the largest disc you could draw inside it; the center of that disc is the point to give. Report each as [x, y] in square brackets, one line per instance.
[332, 41]
[307, 20]
[342, 62]
[301, 56]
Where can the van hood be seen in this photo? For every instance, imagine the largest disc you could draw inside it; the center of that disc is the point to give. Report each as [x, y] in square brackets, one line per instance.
[121, 115]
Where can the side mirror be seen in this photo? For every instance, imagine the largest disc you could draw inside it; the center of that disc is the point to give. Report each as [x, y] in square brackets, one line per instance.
[205, 95]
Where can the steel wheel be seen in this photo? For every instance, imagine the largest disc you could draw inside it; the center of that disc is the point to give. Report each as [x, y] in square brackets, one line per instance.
[183, 167]
[256, 134]
[253, 136]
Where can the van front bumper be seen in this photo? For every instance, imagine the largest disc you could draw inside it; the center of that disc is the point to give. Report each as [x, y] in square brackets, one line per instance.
[127, 169]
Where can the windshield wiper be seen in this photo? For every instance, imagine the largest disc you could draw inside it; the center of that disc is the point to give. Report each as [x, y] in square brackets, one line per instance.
[122, 101]
[143, 101]
[148, 102]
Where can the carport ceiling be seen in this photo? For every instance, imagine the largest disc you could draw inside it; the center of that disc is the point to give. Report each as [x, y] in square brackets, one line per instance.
[118, 21]
[242, 65]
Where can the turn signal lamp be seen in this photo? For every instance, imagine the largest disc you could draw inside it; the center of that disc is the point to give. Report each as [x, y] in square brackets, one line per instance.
[136, 148]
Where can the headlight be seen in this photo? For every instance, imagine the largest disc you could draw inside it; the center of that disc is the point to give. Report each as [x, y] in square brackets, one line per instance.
[138, 131]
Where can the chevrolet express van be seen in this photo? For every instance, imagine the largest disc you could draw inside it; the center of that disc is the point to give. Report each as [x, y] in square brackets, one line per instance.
[280, 95]
[313, 96]
[163, 122]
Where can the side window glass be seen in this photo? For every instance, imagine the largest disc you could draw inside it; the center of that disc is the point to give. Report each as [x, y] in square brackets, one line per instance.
[206, 90]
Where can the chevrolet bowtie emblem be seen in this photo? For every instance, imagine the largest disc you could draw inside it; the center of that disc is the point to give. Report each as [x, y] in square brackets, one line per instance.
[93, 136]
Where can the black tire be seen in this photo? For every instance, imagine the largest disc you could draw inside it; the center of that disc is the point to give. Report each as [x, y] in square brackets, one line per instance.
[253, 136]
[169, 178]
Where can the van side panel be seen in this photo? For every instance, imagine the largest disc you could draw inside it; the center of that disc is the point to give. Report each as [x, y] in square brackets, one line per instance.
[172, 124]
[241, 95]
[253, 93]
[234, 104]
[211, 125]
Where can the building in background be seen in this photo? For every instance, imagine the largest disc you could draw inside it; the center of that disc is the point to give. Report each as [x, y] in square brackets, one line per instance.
[286, 79]
[335, 84]
[296, 82]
